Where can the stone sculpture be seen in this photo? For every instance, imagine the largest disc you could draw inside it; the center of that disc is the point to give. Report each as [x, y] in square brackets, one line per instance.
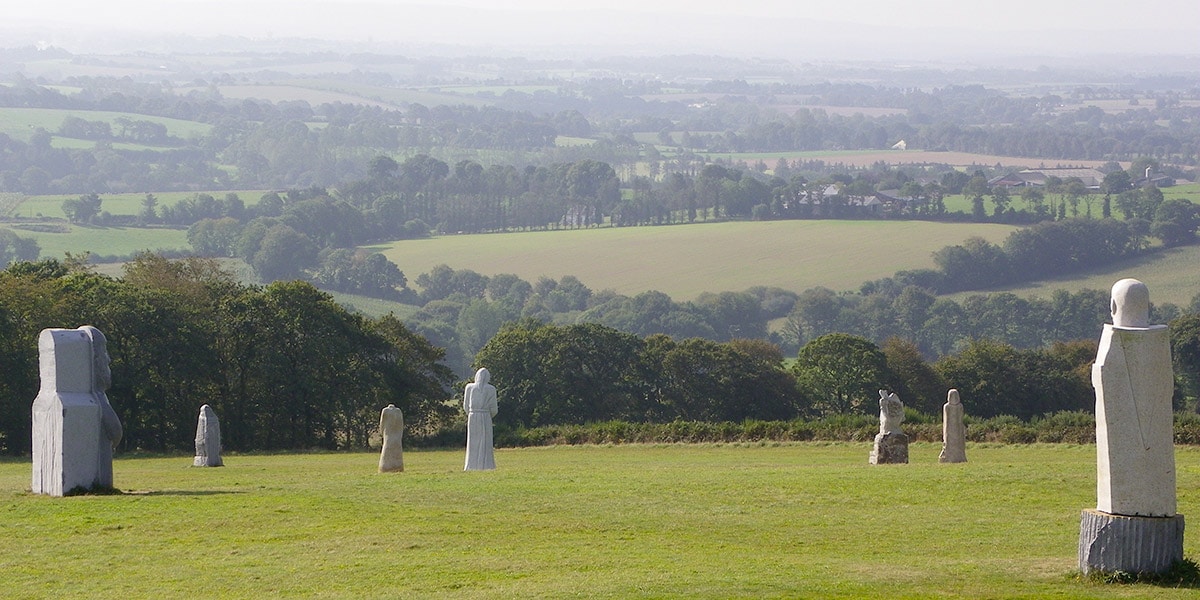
[208, 439]
[391, 425]
[954, 432]
[1134, 527]
[891, 445]
[479, 400]
[74, 426]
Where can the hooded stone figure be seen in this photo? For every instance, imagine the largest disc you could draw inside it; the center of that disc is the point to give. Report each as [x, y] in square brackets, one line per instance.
[391, 427]
[479, 400]
[208, 439]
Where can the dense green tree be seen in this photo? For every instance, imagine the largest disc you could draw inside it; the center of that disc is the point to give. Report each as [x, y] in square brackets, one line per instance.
[841, 373]
[916, 381]
[1185, 354]
[16, 248]
[1175, 222]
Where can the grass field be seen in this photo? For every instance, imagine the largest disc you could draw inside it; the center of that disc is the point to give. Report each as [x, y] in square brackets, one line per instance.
[120, 241]
[1171, 275]
[866, 158]
[703, 521]
[685, 261]
[19, 123]
[50, 205]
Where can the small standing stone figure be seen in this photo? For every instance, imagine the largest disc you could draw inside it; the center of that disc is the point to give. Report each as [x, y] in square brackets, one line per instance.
[479, 401]
[391, 425]
[1134, 527]
[891, 445]
[208, 439]
[954, 432]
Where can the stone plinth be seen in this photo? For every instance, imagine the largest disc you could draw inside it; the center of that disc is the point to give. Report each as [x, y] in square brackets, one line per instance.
[890, 448]
[1109, 543]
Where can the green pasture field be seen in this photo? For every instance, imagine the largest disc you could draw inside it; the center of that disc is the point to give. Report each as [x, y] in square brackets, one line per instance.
[120, 241]
[563, 141]
[798, 520]
[684, 261]
[50, 205]
[1171, 275]
[19, 123]
[962, 203]
[374, 307]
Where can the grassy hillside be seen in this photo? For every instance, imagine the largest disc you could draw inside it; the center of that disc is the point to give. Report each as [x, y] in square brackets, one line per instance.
[686, 260]
[1171, 275]
[800, 520]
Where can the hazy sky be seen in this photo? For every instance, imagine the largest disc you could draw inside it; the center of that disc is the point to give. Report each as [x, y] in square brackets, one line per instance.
[857, 28]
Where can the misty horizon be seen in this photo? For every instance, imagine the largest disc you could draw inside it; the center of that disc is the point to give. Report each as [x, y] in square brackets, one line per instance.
[764, 29]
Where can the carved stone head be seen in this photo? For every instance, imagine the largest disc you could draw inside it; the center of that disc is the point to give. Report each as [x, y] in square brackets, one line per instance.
[1130, 304]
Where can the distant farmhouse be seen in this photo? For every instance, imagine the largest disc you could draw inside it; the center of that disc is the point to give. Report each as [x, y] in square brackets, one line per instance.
[1090, 178]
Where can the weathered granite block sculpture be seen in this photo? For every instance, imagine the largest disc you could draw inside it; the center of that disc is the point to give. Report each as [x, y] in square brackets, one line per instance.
[208, 439]
[479, 400]
[74, 426]
[1135, 527]
[954, 431]
[891, 445]
[391, 425]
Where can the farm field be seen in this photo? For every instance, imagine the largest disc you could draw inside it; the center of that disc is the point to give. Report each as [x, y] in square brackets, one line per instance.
[799, 520]
[19, 123]
[50, 205]
[865, 158]
[1171, 275]
[105, 241]
[684, 261]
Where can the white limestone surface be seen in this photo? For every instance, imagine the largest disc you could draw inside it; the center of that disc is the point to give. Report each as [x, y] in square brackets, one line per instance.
[1133, 379]
[479, 400]
[954, 432]
[66, 414]
[208, 439]
[391, 425]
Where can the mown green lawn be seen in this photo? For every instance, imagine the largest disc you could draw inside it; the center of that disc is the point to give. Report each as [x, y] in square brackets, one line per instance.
[803, 520]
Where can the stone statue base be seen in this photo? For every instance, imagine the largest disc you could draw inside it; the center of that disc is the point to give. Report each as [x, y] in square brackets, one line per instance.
[890, 449]
[1109, 543]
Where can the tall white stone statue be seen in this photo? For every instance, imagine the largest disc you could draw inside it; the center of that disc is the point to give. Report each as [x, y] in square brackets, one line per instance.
[479, 401]
[391, 426]
[891, 445]
[954, 431]
[1134, 527]
[208, 439]
[74, 426]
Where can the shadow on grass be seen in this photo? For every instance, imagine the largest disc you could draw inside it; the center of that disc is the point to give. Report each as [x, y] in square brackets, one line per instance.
[1184, 574]
[180, 492]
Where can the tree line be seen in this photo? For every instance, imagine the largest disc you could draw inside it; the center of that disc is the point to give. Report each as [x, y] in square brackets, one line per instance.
[283, 365]
[287, 368]
[589, 373]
